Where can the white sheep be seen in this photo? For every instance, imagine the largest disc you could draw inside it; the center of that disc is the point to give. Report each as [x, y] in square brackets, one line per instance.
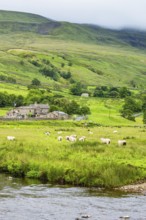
[105, 140]
[10, 138]
[72, 138]
[82, 138]
[115, 131]
[122, 142]
[60, 138]
[47, 133]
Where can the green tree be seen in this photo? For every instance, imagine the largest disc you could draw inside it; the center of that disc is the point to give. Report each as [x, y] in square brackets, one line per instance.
[76, 89]
[35, 82]
[132, 104]
[19, 100]
[144, 108]
[85, 110]
[124, 92]
[128, 114]
[3, 99]
[144, 116]
[72, 108]
[51, 72]
[130, 107]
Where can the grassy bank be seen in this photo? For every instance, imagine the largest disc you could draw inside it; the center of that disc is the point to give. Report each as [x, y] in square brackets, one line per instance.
[36, 155]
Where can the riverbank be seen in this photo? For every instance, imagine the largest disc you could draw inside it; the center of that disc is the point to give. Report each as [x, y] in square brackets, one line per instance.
[134, 188]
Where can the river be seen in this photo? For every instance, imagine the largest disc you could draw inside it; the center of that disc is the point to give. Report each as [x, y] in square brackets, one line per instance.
[31, 200]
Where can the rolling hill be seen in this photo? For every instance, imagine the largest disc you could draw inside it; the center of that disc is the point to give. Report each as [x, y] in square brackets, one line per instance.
[92, 54]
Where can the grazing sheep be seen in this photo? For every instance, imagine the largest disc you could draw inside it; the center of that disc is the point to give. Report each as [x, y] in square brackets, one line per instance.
[105, 140]
[72, 138]
[90, 132]
[10, 138]
[122, 142]
[60, 138]
[67, 138]
[82, 138]
[59, 132]
[115, 131]
[48, 133]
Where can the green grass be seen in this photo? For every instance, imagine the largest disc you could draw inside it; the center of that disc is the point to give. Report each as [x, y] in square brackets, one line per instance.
[89, 163]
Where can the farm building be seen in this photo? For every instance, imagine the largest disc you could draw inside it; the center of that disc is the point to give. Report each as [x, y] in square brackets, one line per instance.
[57, 115]
[38, 111]
[33, 110]
[86, 95]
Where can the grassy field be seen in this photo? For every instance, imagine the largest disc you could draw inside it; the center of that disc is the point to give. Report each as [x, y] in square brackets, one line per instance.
[36, 155]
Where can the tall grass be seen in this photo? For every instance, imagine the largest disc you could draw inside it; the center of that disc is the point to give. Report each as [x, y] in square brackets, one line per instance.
[88, 163]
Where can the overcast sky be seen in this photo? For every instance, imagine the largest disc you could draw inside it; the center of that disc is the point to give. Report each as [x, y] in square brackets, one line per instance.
[108, 13]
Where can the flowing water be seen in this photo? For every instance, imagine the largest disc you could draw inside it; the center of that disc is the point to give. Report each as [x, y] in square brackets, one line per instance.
[23, 200]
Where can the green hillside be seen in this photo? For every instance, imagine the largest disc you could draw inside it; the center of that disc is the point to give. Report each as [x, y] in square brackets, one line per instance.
[93, 55]
[13, 16]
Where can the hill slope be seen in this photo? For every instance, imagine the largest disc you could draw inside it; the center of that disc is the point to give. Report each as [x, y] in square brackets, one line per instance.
[18, 21]
[93, 55]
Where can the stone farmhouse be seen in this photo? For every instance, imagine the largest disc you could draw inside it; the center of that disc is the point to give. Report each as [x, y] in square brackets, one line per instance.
[38, 111]
[33, 110]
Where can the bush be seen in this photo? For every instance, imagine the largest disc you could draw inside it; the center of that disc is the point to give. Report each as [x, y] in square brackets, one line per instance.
[51, 72]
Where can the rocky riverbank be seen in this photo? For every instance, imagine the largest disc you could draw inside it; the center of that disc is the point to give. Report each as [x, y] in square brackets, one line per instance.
[134, 188]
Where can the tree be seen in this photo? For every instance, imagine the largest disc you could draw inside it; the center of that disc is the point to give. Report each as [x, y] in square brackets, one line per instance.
[35, 82]
[114, 94]
[76, 89]
[128, 114]
[132, 104]
[144, 116]
[130, 107]
[85, 110]
[72, 108]
[3, 99]
[144, 109]
[124, 92]
[19, 100]
[66, 75]
[51, 72]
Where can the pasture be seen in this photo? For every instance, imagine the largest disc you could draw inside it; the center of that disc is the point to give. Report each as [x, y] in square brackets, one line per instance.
[34, 154]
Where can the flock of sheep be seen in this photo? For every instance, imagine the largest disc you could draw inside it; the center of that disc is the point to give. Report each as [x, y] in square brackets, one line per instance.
[73, 138]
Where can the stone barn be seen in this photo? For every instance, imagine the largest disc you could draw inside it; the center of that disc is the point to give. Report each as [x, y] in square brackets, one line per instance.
[33, 110]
